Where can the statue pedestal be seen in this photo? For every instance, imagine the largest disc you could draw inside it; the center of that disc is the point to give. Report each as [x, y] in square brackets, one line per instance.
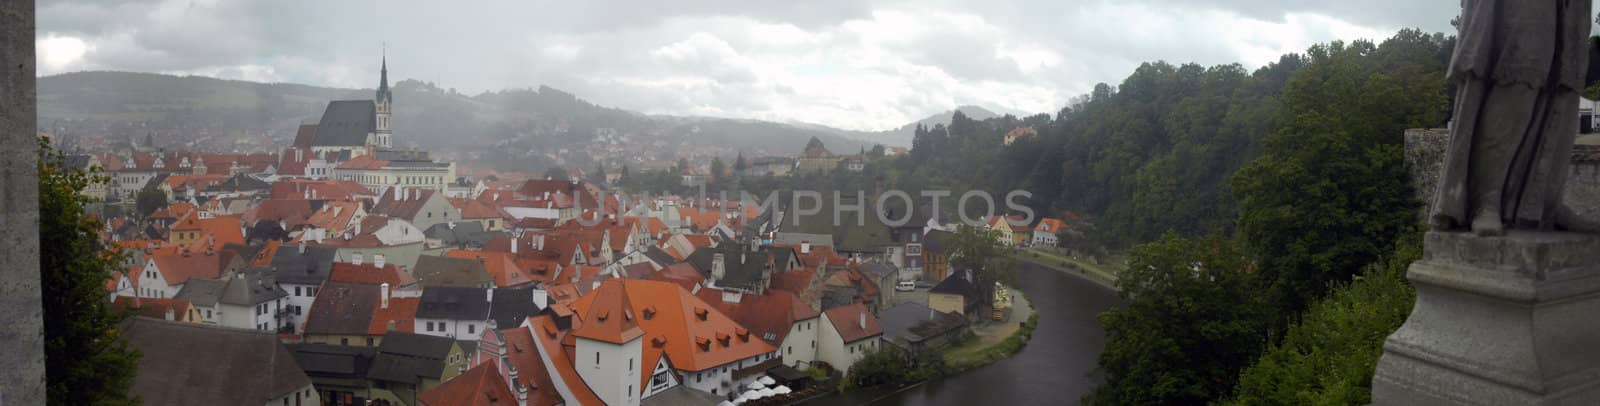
[1510, 320]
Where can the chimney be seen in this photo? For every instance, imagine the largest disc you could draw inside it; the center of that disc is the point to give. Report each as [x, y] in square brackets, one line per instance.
[383, 296]
[541, 298]
[805, 247]
[377, 260]
[396, 193]
[170, 315]
[718, 267]
[513, 245]
[488, 295]
[541, 243]
[356, 259]
[302, 247]
[862, 317]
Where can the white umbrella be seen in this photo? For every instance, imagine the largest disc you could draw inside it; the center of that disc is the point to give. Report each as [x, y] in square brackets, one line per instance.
[726, 403]
[766, 392]
[751, 395]
[766, 380]
[782, 390]
[756, 385]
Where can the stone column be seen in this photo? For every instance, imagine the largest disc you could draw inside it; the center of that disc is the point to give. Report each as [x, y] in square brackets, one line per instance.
[1507, 320]
[22, 361]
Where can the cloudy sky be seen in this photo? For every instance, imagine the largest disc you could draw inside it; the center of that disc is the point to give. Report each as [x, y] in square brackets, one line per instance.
[845, 63]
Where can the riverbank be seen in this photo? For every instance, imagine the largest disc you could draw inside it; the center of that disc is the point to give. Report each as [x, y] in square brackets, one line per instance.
[1056, 367]
[1099, 274]
[994, 341]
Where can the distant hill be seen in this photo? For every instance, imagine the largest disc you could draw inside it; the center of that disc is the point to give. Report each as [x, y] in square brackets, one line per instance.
[901, 136]
[514, 129]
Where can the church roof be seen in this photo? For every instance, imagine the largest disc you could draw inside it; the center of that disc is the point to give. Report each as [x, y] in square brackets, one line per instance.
[346, 123]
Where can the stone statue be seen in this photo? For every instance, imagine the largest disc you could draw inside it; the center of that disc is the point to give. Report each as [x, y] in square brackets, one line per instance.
[1518, 68]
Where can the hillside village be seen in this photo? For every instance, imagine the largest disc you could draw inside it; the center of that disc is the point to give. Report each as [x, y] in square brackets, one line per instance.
[341, 270]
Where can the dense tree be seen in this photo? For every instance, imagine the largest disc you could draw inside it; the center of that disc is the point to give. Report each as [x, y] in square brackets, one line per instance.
[86, 362]
[1331, 194]
[1191, 323]
[148, 200]
[974, 247]
[716, 169]
[557, 173]
[1328, 358]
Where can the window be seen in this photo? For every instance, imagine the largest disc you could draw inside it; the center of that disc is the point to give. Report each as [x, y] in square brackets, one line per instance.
[369, 341]
[630, 364]
[597, 358]
[344, 341]
[790, 351]
[470, 327]
[430, 326]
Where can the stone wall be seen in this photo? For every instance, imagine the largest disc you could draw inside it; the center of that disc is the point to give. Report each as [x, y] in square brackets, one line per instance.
[22, 362]
[1425, 154]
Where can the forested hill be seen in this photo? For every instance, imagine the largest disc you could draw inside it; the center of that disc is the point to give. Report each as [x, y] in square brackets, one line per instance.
[528, 127]
[1159, 151]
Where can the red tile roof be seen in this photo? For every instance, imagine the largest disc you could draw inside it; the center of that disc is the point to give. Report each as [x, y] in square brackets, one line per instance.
[847, 320]
[319, 189]
[155, 308]
[178, 267]
[768, 316]
[1050, 225]
[608, 316]
[479, 386]
[364, 162]
[407, 208]
[530, 369]
[214, 232]
[549, 339]
[694, 335]
[402, 311]
[370, 274]
[681, 273]
[500, 265]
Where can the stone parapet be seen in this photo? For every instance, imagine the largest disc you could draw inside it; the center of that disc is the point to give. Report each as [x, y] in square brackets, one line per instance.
[1498, 321]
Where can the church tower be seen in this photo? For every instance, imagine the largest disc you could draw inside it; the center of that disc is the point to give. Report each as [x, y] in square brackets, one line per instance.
[384, 101]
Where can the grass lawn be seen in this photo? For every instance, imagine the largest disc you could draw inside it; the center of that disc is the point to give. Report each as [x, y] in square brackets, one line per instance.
[1100, 273]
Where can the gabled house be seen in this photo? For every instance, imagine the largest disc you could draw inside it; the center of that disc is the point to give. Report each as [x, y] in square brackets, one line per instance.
[703, 348]
[734, 267]
[356, 314]
[423, 207]
[848, 332]
[301, 270]
[959, 294]
[253, 300]
[178, 310]
[167, 271]
[1045, 233]
[454, 312]
[778, 317]
[407, 365]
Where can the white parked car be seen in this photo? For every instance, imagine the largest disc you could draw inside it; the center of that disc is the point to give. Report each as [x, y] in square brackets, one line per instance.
[905, 286]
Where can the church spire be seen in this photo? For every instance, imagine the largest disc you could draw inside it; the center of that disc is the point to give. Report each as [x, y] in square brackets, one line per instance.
[383, 81]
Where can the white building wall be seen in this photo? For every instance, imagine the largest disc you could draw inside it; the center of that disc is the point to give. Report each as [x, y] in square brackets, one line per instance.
[300, 296]
[832, 349]
[470, 330]
[611, 370]
[305, 396]
[800, 346]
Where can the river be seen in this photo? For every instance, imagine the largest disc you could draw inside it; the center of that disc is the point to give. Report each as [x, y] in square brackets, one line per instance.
[1054, 367]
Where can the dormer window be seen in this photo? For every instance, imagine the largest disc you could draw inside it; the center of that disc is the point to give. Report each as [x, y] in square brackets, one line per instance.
[701, 313]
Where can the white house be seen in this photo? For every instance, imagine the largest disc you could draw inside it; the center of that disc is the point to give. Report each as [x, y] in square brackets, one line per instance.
[848, 332]
[454, 312]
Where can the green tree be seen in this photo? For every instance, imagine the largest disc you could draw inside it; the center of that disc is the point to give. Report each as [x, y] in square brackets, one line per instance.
[740, 164]
[148, 200]
[86, 362]
[1330, 194]
[1328, 358]
[974, 247]
[557, 173]
[716, 169]
[1191, 322]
